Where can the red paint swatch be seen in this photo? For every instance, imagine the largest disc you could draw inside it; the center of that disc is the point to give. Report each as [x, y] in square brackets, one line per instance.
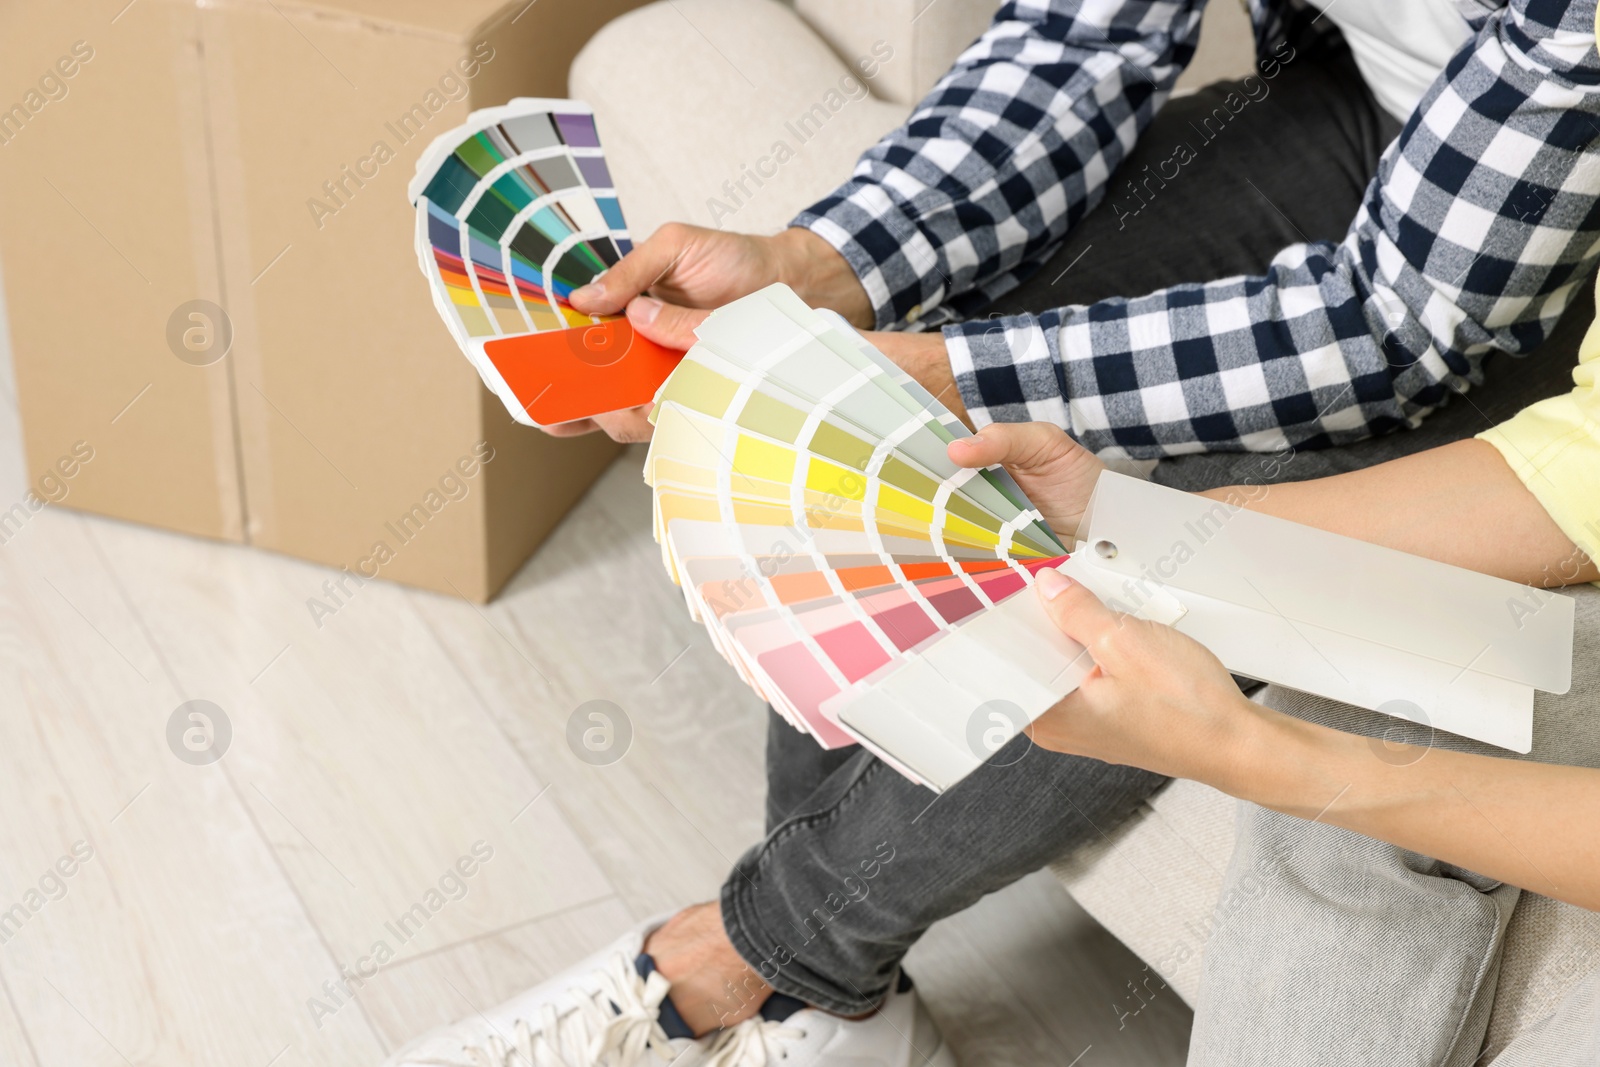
[564, 375]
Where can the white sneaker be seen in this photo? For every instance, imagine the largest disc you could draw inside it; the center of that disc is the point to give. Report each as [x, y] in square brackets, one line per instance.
[601, 1013]
[900, 1033]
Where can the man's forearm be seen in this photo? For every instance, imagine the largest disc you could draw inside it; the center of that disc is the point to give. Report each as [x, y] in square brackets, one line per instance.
[1529, 824]
[821, 276]
[925, 358]
[1459, 504]
[931, 215]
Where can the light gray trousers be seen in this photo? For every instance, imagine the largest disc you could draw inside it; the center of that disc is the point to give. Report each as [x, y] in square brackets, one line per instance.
[1359, 952]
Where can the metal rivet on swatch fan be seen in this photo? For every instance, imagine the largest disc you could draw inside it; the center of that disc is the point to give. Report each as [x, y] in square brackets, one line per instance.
[1105, 549]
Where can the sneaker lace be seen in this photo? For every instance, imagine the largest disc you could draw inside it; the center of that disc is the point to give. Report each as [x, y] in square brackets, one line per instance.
[616, 1025]
[752, 1043]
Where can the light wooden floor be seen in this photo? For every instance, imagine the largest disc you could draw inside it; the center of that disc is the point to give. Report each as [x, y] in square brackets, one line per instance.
[365, 758]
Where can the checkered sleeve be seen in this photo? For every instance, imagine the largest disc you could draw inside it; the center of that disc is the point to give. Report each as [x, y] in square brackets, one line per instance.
[1010, 148]
[1474, 235]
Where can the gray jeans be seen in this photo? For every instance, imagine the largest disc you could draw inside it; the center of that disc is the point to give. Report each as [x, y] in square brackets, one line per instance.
[1352, 950]
[858, 862]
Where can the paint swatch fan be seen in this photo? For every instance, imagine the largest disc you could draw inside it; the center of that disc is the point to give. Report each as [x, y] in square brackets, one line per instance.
[866, 586]
[805, 503]
[514, 210]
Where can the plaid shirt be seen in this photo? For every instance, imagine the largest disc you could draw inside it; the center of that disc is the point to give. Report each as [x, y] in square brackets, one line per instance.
[1474, 235]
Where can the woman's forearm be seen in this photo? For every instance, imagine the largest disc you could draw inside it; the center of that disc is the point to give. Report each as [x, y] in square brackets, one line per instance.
[1459, 504]
[1159, 700]
[1532, 825]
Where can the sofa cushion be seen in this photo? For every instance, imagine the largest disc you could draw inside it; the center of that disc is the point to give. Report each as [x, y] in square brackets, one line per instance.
[1550, 947]
[1156, 881]
[934, 32]
[928, 33]
[762, 118]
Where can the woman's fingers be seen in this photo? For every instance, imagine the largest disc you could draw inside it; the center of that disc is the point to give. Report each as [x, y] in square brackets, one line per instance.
[1030, 447]
[1078, 613]
[1057, 473]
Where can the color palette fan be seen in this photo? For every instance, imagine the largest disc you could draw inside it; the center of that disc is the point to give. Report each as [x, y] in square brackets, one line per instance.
[515, 210]
[805, 502]
[866, 586]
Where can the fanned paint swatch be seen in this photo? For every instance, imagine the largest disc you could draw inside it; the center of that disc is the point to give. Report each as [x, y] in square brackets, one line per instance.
[866, 586]
[514, 210]
[804, 501]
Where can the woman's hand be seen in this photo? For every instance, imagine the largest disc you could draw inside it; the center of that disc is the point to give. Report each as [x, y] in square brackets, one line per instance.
[1056, 472]
[1156, 699]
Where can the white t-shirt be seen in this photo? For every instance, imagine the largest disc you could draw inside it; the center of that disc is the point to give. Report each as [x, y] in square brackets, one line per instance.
[1400, 46]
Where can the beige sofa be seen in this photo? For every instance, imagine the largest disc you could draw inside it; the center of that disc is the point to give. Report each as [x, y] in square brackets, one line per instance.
[736, 113]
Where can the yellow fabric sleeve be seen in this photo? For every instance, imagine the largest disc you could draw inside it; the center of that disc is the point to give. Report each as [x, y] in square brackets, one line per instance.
[1554, 446]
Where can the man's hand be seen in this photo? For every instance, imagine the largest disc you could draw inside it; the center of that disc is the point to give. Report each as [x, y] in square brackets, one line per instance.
[668, 284]
[924, 357]
[1156, 699]
[628, 426]
[921, 355]
[1056, 472]
[693, 267]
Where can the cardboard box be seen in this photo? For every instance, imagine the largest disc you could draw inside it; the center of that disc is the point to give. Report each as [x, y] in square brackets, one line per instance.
[164, 160]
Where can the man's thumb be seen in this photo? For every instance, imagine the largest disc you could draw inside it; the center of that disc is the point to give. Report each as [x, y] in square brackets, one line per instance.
[665, 324]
